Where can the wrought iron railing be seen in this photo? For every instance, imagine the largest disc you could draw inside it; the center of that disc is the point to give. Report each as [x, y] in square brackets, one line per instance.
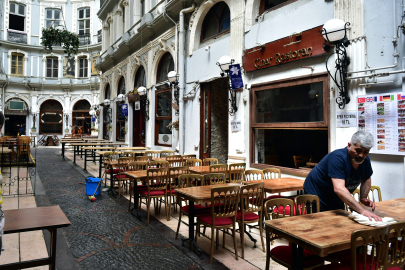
[17, 37]
[99, 36]
[84, 39]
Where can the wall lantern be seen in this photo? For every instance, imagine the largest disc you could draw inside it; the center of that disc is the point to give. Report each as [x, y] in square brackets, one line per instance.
[107, 102]
[121, 98]
[145, 101]
[173, 77]
[335, 34]
[224, 62]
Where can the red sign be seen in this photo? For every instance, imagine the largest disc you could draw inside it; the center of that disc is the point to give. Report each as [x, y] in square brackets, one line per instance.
[295, 47]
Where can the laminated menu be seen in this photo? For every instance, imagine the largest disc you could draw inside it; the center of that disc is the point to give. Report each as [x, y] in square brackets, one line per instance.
[383, 115]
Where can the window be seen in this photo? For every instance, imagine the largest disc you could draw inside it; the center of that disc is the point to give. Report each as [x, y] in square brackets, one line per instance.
[217, 21]
[83, 21]
[140, 77]
[17, 17]
[81, 117]
[120, 131]
[52, 67]
[163, 112]
[17, 64]
[106, 113]
[51, 117]
[166, 64]
[83, 67]
[53, 17]
[290, 118]
[142, 8]
[268, 4]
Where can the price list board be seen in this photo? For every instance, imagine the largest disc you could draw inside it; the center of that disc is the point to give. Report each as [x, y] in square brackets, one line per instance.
[383, 115]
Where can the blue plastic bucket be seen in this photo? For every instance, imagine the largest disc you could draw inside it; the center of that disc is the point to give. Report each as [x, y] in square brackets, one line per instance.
[91, 185]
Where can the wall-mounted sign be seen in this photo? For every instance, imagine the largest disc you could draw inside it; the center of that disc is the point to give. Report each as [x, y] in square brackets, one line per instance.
[236, 125]
[137, 105]
[236, 76]
[289, 49]
[93, 119]
[346, 119]
[124, 109]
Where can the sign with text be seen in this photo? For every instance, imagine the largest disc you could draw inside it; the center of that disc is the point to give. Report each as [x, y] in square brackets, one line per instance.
[289, 49]
[346, 119]
[236, 125]
[124, 109]
[236, 76]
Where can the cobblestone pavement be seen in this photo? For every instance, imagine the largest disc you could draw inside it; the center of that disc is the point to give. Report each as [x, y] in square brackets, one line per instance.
[103, 235]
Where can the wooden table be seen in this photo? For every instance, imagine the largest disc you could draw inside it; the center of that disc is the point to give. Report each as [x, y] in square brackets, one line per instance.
[32, 219]
[92, 144]
[200, 169]
[277, 185]
[326, 232]
[201, 194]
[311, 164]
[119, 150]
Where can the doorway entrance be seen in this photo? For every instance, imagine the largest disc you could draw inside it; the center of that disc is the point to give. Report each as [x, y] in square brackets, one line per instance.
[138, 124]
[14, 125]
[214, 120]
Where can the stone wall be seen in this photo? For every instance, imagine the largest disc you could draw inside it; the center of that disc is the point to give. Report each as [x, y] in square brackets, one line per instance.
[219, 121]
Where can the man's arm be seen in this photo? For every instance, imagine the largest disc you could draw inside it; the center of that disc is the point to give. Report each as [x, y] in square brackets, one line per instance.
[364, 190]
[347, 198]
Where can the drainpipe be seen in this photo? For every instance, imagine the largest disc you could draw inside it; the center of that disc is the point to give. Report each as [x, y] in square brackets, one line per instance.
[182, 77]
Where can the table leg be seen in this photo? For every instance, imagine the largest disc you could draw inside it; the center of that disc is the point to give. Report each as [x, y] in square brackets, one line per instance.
[81, 152]
[99, 167]
[137, 213]
[63, 150]
[198, 251]
[74, 154]
[85, 160]
[111, 182]
[94, 156]
[52, 265]
[300, 259]
[268, 241]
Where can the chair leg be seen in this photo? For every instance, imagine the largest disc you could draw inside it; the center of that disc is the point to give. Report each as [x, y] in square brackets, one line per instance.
[268, 250]
[234, 241]
[242, 237]
[212, 244]
[170, 205]
[119, 188]
[197, 231]
[261, 234]
[217, 243]
[178, 225]
[130, 197]
[223, 238]
[148, 201]
[167, 215]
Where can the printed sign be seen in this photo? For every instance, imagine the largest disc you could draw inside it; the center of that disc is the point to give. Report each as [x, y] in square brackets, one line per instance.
[93, 119]
[236, 125]
[236, 76]
[124, 109]
[346, 119]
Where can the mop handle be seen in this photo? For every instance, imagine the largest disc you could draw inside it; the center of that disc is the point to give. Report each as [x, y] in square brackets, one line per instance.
[101, 180]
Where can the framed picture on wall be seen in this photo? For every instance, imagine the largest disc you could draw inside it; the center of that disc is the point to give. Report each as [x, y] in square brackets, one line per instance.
[137, 105]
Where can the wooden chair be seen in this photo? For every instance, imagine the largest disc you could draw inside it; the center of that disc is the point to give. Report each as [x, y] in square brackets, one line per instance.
[210, 161]
[193, 162]
[136, 166]
[236, 173]
[120, 176]
[299, 159]
[23, 147]
[190, 180]
[156, 188]
[251, 175]
[128, 154]
[371, 194]
[152, 153]
[396, 252]
[158, 164]
[174, 161]
[214, 179]
[272, 173]
[174, 174]
[377, 238]
[143, 158]
[249, 206]
[219, 168]
[224, 206]
[106, 157]
[166, 153]
[185, 157]
[303, 201]
[281, 208]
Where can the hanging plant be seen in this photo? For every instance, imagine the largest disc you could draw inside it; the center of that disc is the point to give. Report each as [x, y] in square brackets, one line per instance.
[173, 125]
[56, 37]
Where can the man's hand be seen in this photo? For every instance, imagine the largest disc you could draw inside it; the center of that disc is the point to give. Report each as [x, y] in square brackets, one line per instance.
[371, 215]
[368, 203]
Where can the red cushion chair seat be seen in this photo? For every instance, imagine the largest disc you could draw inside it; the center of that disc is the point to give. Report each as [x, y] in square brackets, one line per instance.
[114, 171]
[359, 261]
[152, 192]
[248, 216]
[281, 209]
[283, 253]
[117, 176]
[197, 208]
[173, 191]
[218, 221]
[275, 197]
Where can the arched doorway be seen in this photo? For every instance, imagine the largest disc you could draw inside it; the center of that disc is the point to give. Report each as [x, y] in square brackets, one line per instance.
[16, 112]
[138, 110]
[81, 119]
[106, 113]
[120, 120]
[51, 117]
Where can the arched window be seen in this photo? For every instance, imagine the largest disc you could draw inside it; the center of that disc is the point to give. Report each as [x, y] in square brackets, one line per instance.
[121, 86]
[51, 117]
[217, 21]
[107, 92]
[140, 77]
[81, 118]
[268, 4]
[120, 120]
[106, 114]
[166, 64]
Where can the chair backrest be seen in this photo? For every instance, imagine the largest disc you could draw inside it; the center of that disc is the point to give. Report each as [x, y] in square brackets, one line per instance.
[254, 200]
[192, 162]
[251, 175]
[143, 158]
[128, 154]
[214, 179]
[236, 172]
[271, 173]
[210, 161]
[174, 160]
[107, 155]
[193, 180]
[219, 168]
[299, 160]
[157, 179]
[378, 239]
[374, 189]
[224, 202]
[174, 174]
[396, 254]
[166, 153]
[152, 153]
[124, 162]
[138, 165]
[158, 164]
[278, 208]
[185, 157]
[303, 201]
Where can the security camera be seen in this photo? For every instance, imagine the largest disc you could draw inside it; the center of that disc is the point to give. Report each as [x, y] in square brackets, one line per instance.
[207, 48]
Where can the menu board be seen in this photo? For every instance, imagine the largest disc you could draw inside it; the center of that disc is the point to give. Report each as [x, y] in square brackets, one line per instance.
[383, 115]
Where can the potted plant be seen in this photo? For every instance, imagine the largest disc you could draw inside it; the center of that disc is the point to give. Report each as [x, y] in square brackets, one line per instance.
[124, 129]
[59, 37]
[67, 130]
[110, 128]
[173, 125]
[33, 129]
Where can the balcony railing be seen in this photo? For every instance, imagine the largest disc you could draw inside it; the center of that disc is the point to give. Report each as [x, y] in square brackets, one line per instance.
[17, 37]
[99, 36]
[84, 39]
